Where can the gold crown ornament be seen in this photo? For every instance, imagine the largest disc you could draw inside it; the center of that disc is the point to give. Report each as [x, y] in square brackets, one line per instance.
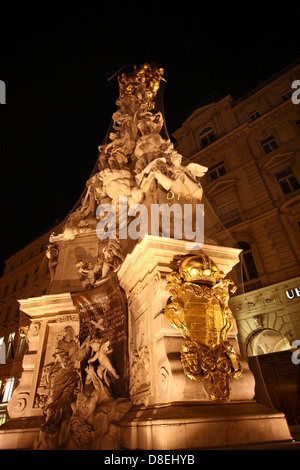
[199, 269]
[143, 82]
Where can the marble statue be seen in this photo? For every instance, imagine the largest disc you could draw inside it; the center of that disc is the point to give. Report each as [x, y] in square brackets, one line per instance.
[136, 152]
[81, 415]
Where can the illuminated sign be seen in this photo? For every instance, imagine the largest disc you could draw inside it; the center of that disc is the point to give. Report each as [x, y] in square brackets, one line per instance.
[293, 293]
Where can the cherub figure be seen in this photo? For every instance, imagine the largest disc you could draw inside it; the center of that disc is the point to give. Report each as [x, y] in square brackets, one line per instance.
[101, 350]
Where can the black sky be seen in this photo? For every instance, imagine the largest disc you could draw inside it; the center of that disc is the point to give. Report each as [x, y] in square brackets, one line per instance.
[56, 64]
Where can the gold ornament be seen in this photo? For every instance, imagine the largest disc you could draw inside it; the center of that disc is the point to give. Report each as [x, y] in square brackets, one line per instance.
[198, 308]
[143, 82]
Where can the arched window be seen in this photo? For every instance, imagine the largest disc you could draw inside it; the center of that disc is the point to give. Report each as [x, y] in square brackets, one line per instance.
[247, 261]
[207, 137]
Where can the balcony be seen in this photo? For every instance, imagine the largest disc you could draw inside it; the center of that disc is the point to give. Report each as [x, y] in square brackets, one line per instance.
[248, 286]
[231, 218]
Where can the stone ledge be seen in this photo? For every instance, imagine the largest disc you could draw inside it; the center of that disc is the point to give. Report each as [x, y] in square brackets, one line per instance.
[196, 426]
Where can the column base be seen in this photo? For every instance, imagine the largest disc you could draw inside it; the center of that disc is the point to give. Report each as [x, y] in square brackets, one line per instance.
[202, 426]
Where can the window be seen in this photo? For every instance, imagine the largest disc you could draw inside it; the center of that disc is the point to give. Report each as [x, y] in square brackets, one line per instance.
[25, 280]
[298, 123]
[8, 312]
[288, 181]
[217, 171]
[248, 264]
[207, 137]
[227, 207]
[286, 94]
[254, 115]
[9, 387]
[269, 144]
[1, 390]
[3, 417]
[22, 341]
[10, 346]
[15, 286]
[2, 351]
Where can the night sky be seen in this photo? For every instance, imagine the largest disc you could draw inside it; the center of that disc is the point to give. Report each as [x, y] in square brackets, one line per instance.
[56, 65]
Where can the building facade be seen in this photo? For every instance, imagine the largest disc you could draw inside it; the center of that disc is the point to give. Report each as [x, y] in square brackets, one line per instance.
[26, 274]
[251, 147]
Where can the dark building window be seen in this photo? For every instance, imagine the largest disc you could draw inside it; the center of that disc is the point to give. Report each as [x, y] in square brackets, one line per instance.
[8, 313]
[288, 181]
[286, 94]
[247, 260]
[269, 144]
[298, 123]
[254, 115]
[207, 137]
[25, 280]
[217, 171]
[227, 207]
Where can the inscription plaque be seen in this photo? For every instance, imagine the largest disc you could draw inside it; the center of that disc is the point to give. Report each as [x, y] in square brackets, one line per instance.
[105, 305]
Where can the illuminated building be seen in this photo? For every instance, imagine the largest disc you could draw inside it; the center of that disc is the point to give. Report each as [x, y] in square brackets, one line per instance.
[251, 146]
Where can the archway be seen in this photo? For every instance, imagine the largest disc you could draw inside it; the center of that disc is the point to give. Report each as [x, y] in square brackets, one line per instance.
[267, 341]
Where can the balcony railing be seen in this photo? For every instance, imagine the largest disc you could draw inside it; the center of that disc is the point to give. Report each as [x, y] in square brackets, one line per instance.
[248, 286]
[231, 218]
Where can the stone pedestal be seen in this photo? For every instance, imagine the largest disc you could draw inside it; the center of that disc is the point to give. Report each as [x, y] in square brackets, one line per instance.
[171, 411]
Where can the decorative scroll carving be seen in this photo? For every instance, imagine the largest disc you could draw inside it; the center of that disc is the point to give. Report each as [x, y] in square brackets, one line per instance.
[198, 308]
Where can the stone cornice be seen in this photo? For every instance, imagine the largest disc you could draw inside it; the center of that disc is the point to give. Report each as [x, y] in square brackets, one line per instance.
[47, 305]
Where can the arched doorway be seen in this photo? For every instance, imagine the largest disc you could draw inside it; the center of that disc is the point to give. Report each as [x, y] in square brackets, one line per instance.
[267, 341]
[270, 359]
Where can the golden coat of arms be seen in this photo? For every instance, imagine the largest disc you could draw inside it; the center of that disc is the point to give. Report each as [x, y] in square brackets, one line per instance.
[198, 308]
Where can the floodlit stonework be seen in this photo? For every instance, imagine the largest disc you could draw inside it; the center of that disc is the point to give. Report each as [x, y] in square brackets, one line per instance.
[105, 367]
[251, 148]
